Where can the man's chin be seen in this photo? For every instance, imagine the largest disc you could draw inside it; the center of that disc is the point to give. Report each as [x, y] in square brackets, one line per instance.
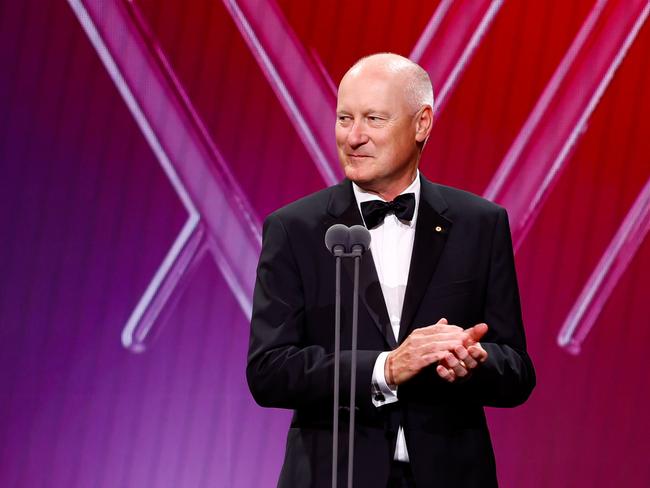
[357, 175]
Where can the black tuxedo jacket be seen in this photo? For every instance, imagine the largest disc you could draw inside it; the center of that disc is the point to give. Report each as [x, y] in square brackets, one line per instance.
[462, 268]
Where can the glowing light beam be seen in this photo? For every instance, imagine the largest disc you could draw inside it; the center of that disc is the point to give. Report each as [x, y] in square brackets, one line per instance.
[218, 211]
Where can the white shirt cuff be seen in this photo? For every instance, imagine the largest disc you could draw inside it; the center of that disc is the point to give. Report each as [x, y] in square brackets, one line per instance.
[381, 393]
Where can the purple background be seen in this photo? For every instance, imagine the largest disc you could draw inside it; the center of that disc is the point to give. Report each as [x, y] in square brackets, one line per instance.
[87, 215]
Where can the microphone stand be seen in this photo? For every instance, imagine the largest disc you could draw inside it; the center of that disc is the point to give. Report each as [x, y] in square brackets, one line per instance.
[359, 244]
[338, 253]
[356, 252]
[356, 255]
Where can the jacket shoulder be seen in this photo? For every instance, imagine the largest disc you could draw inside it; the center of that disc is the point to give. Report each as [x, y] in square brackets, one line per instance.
[467, 202]
[304, 209]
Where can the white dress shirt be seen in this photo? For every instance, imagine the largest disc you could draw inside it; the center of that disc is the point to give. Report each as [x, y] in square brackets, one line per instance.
[391, 246]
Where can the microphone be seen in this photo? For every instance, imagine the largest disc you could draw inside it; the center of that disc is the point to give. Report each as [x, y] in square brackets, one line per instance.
[359, 240]
[337, 238]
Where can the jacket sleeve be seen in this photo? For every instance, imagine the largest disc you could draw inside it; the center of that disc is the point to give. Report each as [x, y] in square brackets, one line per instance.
[507, 378]
[283, 370]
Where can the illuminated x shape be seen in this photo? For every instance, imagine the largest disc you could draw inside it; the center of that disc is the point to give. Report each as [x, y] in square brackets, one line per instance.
[202, 179]
[194, 166]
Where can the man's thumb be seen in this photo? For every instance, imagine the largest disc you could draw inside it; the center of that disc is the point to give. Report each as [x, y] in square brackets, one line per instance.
[477, 331]
[442, 321]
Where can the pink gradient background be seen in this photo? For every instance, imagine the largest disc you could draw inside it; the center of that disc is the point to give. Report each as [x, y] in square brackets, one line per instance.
[87, 215]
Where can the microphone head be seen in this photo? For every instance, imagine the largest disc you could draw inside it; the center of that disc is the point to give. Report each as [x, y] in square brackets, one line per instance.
[337, 235]
[359, 236]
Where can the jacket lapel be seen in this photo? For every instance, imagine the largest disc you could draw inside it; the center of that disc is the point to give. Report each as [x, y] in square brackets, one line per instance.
[343, 207]
[431, 231]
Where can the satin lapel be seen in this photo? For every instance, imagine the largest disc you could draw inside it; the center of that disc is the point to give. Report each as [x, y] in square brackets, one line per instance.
[344, 210]
[431, 231]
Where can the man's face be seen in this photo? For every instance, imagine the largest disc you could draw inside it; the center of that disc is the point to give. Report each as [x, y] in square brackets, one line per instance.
[376, 130]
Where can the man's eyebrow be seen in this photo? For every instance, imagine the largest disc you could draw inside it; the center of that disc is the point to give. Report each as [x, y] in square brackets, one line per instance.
[376, 112]
[370, 111]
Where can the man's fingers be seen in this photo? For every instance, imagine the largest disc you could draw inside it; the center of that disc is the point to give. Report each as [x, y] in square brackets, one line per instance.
[434, 356]
[441, 347]
[445, 373]
[478, 353]
[452, 362]
[464, 355]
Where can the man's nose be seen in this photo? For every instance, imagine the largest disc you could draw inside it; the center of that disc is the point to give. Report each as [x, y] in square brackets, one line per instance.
[357, 135]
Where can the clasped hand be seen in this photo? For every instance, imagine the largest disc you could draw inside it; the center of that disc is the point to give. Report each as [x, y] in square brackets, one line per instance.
[456, 350]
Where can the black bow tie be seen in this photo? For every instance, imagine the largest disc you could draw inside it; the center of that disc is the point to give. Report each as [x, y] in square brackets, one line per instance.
[374, 211]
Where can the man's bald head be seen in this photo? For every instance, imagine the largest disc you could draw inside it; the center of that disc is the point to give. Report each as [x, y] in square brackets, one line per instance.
[417, 84]
[384, 118]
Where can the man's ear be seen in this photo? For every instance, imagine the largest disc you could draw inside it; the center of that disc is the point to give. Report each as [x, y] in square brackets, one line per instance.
[423, 124]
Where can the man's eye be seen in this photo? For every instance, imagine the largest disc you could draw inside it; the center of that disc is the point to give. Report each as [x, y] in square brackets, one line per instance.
[374, 118]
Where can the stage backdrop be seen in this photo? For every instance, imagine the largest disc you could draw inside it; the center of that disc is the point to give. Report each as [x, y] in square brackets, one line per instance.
[142, 144]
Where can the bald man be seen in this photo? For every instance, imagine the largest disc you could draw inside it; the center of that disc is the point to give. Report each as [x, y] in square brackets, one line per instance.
[440, 330]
